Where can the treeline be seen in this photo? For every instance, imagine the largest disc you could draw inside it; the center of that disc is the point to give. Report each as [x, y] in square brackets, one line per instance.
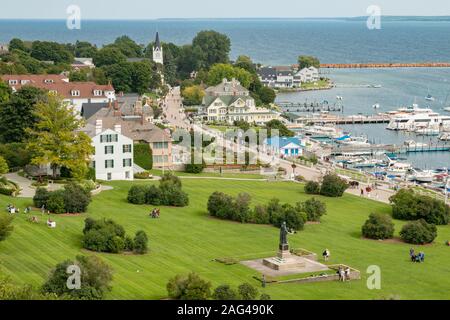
[237, 208]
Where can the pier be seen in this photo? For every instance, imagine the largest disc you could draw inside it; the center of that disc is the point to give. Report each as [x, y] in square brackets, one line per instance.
[385, 65]
[359, 119]
[388, 148]
[291, 107]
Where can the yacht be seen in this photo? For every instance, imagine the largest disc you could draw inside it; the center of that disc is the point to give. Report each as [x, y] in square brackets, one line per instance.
[354, 141]
[445, 136]
[415, 144]
[423, 176]
[429, 97]
[414, 122]
[322, 132]
[427, 131]
[398, 169]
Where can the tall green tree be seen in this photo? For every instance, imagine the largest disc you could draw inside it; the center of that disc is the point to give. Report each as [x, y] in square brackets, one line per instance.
[17, 44]
[308, 61]
[221, 71]
[51, 51]
[108, 56]
[5, 92]
[127, 46]
[215, 48]
[17, 114]
[55, 139]
[84, 49]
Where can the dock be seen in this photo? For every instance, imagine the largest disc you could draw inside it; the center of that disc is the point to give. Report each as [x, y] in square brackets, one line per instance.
[291, 107]
[331, 119]
[388, 148]
[385, 65]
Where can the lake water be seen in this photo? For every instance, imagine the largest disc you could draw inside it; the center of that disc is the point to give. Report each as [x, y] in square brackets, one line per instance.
[275, 42]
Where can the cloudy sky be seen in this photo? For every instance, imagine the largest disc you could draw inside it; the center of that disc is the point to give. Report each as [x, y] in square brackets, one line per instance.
[154, 9]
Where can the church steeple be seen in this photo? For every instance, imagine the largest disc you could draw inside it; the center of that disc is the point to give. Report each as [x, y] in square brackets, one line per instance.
[158, 51]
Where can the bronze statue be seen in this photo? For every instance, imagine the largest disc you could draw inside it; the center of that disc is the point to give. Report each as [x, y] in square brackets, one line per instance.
[284, 245]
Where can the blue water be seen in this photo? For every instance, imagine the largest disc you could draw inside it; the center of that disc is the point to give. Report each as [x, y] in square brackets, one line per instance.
[267, 41]
[275, 42]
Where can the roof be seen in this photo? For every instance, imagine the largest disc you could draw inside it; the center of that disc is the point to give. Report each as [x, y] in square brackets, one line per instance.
[227, 100]
[283, 141]
[157, 43]
[267, 73]
[89, 109]
[226, 87]
[60, 85]
[132, 127]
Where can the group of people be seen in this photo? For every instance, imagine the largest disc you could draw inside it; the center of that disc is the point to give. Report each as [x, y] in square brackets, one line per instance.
[344, 273]
[419, 257]
[155, 213]
[12, 209]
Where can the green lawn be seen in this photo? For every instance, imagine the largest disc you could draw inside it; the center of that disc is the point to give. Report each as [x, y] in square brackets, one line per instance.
[187, 239]
[240, 175]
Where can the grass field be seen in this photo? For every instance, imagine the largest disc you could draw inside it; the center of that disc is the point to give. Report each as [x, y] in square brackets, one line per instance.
[186, 239]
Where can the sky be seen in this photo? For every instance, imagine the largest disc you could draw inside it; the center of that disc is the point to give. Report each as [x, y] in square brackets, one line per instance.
[157, 9]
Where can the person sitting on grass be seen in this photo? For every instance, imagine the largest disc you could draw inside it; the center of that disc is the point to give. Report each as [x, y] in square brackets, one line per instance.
[412, 255]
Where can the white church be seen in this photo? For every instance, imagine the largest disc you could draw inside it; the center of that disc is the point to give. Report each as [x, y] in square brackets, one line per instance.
[158, 56]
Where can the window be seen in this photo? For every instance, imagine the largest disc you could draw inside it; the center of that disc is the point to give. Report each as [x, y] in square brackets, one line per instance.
[126, 148]
[108, 138]
[13, 82]
[24, 81]
[127, 163]
[109, 164]
[48, 81]
[160, 159]
[98, 93]
[109, 149]
[160, 145]
[75, 93]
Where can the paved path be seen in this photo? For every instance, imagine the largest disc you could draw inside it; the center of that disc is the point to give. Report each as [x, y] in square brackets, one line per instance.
[24, 184]
[172, 107]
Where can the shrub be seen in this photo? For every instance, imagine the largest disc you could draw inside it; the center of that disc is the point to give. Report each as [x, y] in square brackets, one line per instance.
[220, 205]
[140, 242]
[241, 208]
[313, 208]
[76, 198]
[6, 191]
[194, 168]
[225, 292]
[264, 296]
[333, 186]
[143, 175]
[378, 226]
[419, 232]
[106, 236]
[247, 291]
[96, 276]
[3, 166]
[5, 226]
[41, 197]
[55, 202]
[191, 287]
[312, 187]
[137, 194]
[295, 219]
[260, 215]
[143, 156]
[153, 195]
[407, 205]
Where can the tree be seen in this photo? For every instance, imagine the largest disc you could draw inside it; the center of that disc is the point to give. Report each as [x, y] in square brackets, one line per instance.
[407, 205]
[78, 76]
[312, 187]
[267, 95]
[5, 92]
[127, 46]
[278, 125]
[378, 226]
[191, 287]
[56, 141]
[3, 166]
[215, 48]
[225, 292]
[76, 198]
[308, 61]
[96, 276]
[5, 226]
[245, 62]
[189, 60]
[418, 232]
[140, 242]
[121, 75]
[193, 95]
[51, 51]
[17, 114]
[144, 77]
[333, 186]
[313, 208]
[84, 49]
[247, 291]
[17, 44]
[221, 71]
[108, 56]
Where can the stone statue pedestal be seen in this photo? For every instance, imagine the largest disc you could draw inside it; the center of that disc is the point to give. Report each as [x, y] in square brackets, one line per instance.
[284, 261]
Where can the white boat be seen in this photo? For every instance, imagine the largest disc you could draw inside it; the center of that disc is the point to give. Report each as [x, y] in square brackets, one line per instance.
[423, 176]
[415, 144]
[354, 141]
[445, 136]
[447, 109]
[414, 122]
[398, 169]
[429, 97]
[427, 131]
[376, 106]
[323, 131]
